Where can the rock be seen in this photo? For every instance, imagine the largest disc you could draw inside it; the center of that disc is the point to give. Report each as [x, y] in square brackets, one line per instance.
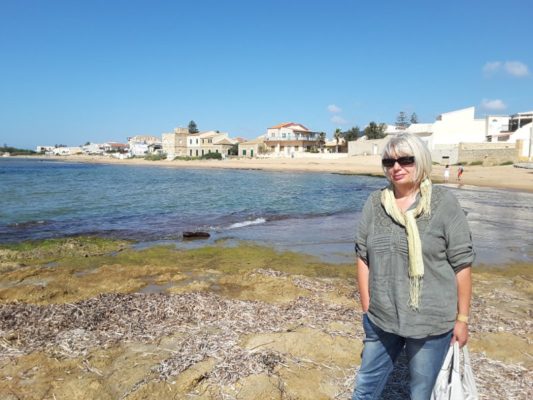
[196, 235]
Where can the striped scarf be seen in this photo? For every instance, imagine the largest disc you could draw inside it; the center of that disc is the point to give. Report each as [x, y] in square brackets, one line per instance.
[408, 220]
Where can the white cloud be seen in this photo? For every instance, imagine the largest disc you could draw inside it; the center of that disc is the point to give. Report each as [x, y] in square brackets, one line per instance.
[493, 105]
[491, 67]
[332, 108]
[516, 68]
[338, 120]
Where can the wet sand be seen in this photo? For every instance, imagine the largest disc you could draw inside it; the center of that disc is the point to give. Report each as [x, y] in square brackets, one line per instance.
[505, 177]
[92, 318]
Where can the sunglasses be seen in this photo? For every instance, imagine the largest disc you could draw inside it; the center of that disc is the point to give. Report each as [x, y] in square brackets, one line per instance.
[403, 161]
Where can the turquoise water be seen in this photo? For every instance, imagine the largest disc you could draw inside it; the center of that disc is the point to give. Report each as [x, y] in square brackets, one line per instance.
[314, 213]
[49, 199]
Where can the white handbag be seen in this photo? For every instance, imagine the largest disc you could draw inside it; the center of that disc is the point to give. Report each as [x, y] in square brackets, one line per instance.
[452, 383]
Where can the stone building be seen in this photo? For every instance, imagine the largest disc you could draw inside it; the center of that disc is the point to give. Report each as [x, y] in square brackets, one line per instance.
[175, 143]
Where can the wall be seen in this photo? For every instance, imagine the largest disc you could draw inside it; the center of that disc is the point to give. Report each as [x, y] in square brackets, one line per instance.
[457, 126]
[488, 153]
[440, 152]
[367, 147]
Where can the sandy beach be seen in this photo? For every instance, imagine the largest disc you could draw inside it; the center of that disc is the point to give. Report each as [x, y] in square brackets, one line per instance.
[504, 177]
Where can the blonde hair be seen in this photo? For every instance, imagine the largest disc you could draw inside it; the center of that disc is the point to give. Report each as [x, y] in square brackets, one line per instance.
[407, 144]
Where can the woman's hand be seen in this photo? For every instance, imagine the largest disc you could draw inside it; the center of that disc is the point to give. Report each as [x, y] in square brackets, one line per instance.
[460, 333]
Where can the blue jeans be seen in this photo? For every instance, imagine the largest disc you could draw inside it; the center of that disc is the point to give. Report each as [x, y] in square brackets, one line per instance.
[425, 357]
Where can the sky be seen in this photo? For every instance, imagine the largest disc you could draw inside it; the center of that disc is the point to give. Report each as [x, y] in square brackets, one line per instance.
[77, 71]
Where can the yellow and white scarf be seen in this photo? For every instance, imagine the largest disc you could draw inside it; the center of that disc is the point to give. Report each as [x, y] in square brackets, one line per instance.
[408, 220]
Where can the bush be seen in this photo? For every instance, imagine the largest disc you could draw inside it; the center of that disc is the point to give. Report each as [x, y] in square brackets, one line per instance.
[212, 156]
[507, 163]
[155, 157]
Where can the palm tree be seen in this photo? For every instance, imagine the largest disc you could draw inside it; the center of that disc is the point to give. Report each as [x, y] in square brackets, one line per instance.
[337, 135]
[322, 140]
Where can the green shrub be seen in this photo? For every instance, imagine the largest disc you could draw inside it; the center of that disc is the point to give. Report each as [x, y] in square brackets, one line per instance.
[155, 157]
[476, 163]
[212, 156]
[507, 163]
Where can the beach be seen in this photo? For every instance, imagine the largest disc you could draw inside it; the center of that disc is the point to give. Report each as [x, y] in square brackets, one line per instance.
[504, 177]
[232, 317]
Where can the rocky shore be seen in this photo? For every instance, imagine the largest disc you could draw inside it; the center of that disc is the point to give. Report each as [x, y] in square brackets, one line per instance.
[88, 318]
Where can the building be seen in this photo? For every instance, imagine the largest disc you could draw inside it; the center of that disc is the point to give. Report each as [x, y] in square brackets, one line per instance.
[518, 120]
[252, 148]
[175, 144]
[114, 147]
[290, 138]
[334, 146]
[457, 136]
[93, 149]
[148, 139]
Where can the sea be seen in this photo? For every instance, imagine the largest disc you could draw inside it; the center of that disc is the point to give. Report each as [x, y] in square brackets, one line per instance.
[310, 213]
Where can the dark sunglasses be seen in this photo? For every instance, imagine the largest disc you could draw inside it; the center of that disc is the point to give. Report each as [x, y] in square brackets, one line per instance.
[403, 161]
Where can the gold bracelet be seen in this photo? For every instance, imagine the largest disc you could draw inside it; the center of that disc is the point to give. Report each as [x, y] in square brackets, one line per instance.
[462, 318]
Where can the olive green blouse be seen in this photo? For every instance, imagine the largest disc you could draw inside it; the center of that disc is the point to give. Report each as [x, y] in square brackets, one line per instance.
[446, 249]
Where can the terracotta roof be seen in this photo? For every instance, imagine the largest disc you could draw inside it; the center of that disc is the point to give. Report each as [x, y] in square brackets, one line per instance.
[286, 124]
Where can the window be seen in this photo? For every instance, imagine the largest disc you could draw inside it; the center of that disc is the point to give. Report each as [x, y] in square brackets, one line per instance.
[202, 152]
[190, 153]
[244, 152]
[196, 153]
[196, 141]
[283, 135]
[190, 141]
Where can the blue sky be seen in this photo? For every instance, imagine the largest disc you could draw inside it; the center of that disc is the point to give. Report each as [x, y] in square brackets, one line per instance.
[73, 71]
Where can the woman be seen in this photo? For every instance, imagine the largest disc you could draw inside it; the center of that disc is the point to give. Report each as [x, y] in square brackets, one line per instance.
[414, 255]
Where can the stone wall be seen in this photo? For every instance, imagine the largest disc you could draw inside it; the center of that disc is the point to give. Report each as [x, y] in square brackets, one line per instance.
[487, 153]
[367, 147]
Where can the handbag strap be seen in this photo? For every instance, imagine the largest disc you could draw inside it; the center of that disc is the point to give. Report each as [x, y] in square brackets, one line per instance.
[456, 358]
[466, 355]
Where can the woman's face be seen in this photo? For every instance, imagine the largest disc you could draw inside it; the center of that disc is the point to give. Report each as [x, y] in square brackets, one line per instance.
[401, 175]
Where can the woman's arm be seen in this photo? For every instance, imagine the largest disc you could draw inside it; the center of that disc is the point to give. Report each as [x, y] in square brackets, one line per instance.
[464, 295]
[362, 282]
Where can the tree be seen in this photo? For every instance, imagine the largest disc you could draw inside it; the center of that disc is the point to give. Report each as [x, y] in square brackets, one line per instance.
[414, 118]
[337, 135]
[352, 134]
[192, 127]
[322, 140]
[375, 131]
[401, 121]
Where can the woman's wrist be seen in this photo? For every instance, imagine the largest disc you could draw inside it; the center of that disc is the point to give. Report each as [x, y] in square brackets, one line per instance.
[462, 318]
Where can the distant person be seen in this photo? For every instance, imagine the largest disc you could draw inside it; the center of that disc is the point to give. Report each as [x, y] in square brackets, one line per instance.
[460, 170]
[446, 173]
[414, 255]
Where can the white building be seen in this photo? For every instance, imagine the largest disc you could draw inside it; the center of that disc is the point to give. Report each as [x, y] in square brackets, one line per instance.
[93, 148]
[291, 138]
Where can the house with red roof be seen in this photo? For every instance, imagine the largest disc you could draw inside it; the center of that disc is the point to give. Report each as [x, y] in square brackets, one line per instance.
[290, 138]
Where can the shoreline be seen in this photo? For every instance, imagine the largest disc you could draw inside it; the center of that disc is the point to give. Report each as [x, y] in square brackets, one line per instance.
[500, 177]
